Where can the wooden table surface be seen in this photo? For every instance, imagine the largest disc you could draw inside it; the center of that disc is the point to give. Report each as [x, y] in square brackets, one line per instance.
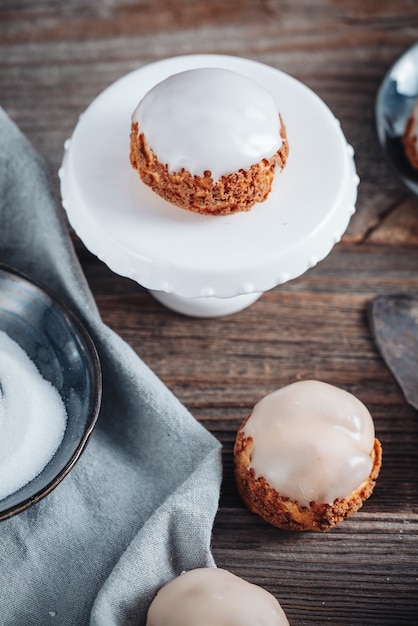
[55, 57]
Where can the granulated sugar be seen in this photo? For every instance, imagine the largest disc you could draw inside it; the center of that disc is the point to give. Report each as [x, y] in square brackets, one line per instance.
[32, 418]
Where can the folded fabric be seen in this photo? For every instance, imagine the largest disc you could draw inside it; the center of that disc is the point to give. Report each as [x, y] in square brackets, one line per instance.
[138, 507]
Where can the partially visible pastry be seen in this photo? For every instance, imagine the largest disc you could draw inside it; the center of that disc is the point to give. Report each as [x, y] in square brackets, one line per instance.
[307, 457]
[214, 597]
[208, 140]
[410, 137]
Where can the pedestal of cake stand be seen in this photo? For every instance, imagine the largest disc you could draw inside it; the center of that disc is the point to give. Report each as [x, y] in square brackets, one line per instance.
[206, 306]
[198, 265]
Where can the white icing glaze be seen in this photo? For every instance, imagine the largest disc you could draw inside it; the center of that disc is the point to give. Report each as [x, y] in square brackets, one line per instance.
[214, 597]
[209, 119]
[32, 423]
[311, 441]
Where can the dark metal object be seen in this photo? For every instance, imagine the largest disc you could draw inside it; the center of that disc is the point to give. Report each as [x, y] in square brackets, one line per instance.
[394, 324]
[394, 102]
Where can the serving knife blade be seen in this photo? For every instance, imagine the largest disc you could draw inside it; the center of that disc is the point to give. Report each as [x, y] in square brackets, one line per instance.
[394, 324]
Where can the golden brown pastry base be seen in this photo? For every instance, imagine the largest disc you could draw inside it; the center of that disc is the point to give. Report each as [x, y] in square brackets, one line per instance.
[284, 513]
[410, 143]
[237, 192]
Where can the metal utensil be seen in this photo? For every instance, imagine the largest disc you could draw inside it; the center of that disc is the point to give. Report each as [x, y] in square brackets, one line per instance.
[394, 323]
[394, 101]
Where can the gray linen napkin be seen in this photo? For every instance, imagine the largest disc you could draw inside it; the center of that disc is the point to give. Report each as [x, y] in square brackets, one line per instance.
[138, 507]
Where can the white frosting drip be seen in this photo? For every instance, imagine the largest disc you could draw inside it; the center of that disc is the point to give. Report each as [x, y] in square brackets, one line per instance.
[214, 597]
[209, 120]
[32, 423]
[311, 442]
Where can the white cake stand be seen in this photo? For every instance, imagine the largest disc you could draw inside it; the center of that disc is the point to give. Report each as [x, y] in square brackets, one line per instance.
[198, 265]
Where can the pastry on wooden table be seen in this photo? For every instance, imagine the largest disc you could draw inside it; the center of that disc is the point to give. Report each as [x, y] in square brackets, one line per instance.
[306, 458]
[214, 597]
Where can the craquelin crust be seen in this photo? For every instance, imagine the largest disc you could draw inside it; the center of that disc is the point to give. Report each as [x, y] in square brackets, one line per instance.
[201, 194]
[410, 143]
[284, 513]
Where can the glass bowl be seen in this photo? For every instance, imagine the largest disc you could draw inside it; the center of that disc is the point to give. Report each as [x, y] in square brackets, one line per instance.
[64, 353]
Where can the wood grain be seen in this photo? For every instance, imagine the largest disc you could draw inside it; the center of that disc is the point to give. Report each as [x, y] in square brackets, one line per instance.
[55, 57]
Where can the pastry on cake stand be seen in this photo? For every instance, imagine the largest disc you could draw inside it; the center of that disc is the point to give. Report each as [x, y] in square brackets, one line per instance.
[208, 266]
